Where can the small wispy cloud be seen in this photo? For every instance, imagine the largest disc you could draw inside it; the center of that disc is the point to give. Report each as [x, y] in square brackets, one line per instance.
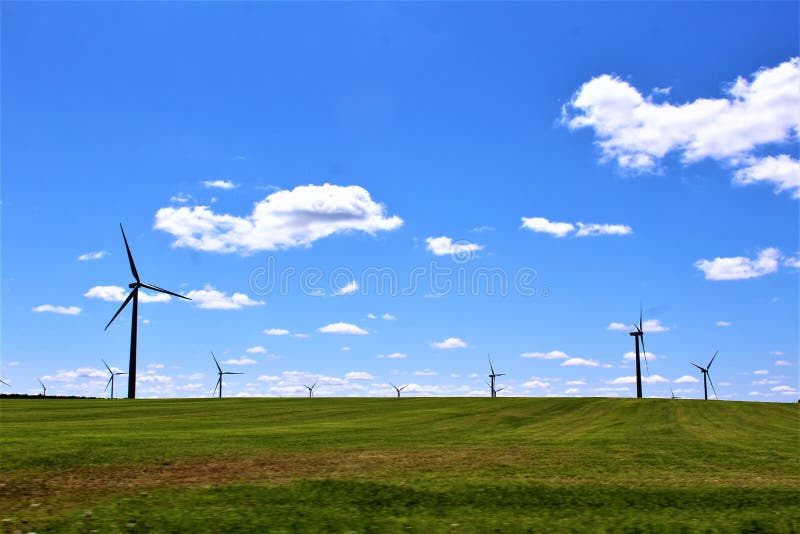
[62, 310]
[445, 246]
[90, 256]
[210, 298]
[392, 356]
[348, 289]
[552, 355]
[256, 350]
[563, 229]
[723, 323]
[450, 343]
[579, 362]
[240, 361]
[219, 184]
[650, 326]
[358, 375]
[343, 328]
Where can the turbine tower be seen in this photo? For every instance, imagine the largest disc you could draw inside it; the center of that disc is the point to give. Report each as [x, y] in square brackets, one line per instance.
[134, 295]
[311, 389]
[221, 372]
[398, 389]
[44, 388]
[111, 379]
[492, 376]
[638, 335]
[704, 370]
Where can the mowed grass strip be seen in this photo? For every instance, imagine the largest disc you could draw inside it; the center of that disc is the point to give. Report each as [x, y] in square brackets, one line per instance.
[560, 464]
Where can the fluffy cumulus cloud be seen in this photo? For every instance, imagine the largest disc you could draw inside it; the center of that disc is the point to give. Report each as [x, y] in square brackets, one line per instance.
[276, 332]
[210, 298]
[283, 219]
[118, 294]
[219, 184]
[450, 343]
[256, 350]
[343, 328]
[552, 355]
[444, 246]
[636, 132]
[740, 267]
[562, 229]
[89, 256]
[61, 310]
[570, 362]
[650, 326]
[685, 379]
[240, 361]
[71, 375]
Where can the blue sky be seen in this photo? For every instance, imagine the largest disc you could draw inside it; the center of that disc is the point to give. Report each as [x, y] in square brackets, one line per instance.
[592, 156]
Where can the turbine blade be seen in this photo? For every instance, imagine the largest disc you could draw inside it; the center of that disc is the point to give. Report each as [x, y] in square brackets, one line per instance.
[231, 373]
[644, 353]
[315, 384]
[4, 382]
[215, 361]
[404, 387]
[162, 290]
[120, 373]
[641, 326]
[130, 256]
[697, 366]
[107, 367]
[712, 385]
[712, 360]
[40, 382]
[500, 374]
[216, 386]
[127, 300]
[490, 363]
[108, 383]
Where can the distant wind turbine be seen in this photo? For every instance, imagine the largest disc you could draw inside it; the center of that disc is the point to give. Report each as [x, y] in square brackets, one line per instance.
[111, 379]
[638, 335]
[134, 295]
[44, 388]
[673, 394]
[311, 389]
[706, 374]
[398, 389]
[220, 372]
[492, 376]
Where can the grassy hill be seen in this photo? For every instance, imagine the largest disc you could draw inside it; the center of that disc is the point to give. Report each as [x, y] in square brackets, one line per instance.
[418, 464]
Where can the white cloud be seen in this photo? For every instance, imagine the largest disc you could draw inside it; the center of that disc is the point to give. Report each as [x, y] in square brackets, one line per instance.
[723, 323]
[481, 229]
[388, 317]
[219, 184]
[426, 372]
[358, 375]
[444, 246]
[344, 349]
[348, 289]
[572, 391]
[740, 267]
[155, 366]
[552, 355]
[62, 310]
[637, 132]
[256, 350]
[240, 361]
[449, 343]
[576, 383]
[118, 294]
[783, 363]
[780, 389]
[70, 376]
[371, 316]
[283, 219]
[536, 384]
[654, 379]
[210, 298]
[393, 356]
[276, 332]
[777, 353]
[602, 229]
[792, 262]
[631, 356]
[761, 372]
[542, 225]
[781, 170]
[181, 198]
[651, 326]
[579, 361]
[685, 379]
[268, 378]
[89, 256]
[343, 328]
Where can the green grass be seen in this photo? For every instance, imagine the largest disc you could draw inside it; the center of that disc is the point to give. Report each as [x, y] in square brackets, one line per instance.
[412, 464]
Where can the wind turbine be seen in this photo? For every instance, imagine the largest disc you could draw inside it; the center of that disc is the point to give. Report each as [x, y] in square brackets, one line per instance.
[44, 388]
[134, 295]
[398, 389]
[704, 370]
[673, 394]
[638, 335]
[492, 376]
[111, 379]
[221, 372]
[311, 389]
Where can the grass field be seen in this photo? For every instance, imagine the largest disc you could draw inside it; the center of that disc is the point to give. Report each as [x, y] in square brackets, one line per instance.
[411, 464]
